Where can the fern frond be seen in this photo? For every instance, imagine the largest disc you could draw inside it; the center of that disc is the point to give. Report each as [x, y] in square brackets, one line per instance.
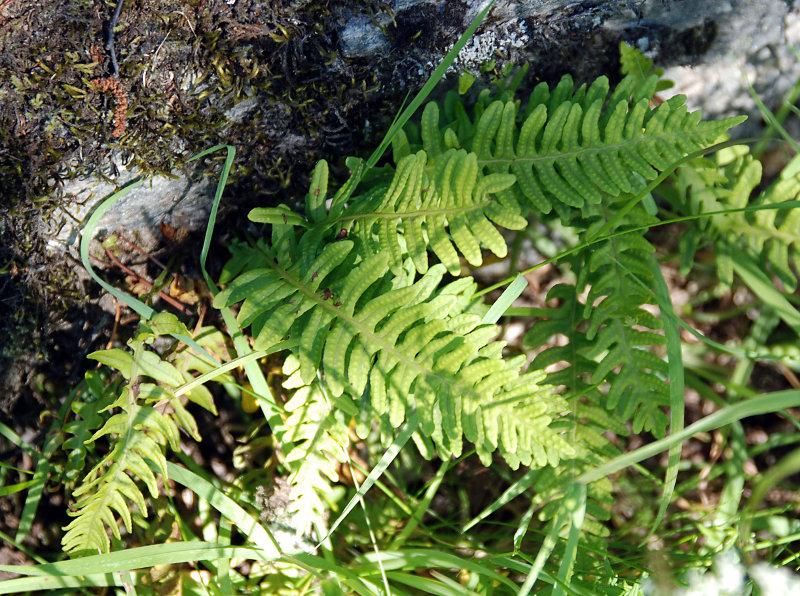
[729, 183]
[571, 148]
[427, 199]
[142, 431]
[611, 337]
[148, 420]
[633, 62]
[314, 442]
[394, 343]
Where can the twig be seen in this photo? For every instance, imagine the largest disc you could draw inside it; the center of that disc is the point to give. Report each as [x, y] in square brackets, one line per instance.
[164, 296]
[117, 316]
[143, 252]
[110, 38]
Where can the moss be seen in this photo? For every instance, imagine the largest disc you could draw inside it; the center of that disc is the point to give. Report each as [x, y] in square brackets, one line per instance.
[181, 70]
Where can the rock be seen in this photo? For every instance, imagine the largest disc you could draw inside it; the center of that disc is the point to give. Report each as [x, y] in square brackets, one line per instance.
[160, 206]
[711, 51]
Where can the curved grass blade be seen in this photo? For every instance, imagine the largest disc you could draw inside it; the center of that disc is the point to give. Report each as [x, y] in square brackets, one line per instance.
[243, 521]
[139, 307]
[258, 382]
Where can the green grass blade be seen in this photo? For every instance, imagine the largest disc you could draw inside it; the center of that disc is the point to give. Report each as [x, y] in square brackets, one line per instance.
[545, 550]
[511, 493]
[419, 558]
[223, 574]
[787, 466]
[222, 369]
[761, 285]
[386, 459]
[243, 521]
[143, 310]
[506, 299]
[212, 216]
[269, 406]
[316, 565]
[422, 507]
[522, 527]
[597, 238]
[14, 438]
[426, 585]
[21, 548]
[142, 557]
[436, 76]
[676, 387]
[18, 487]
[49, 583]
[774, 122]
[770, 402]
[575, 505]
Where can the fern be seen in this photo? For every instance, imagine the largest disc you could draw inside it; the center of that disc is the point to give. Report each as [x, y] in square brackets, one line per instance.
[399, 343]
[149, 419]
[636, 64]
[729, 182]
[572, 148]
[349, 290]
[421, 206]
[317, 439]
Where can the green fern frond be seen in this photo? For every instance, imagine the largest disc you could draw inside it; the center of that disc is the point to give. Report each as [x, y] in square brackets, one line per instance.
[314, 441]
[148, 420]
[570, 148]
[729, 182]
[395, 343]
[633, 62]
[611, 337]
[428, 198]
[142, 432]
[566, 150]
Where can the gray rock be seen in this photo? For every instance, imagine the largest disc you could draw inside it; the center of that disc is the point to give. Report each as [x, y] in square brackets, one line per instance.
[179, 203]
[710, 49]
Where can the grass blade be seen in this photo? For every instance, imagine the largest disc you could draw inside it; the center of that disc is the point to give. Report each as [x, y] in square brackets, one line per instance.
[506, 299]
[761, 285]
[676, 388]
[258, 382]
[243, 521]
[436, 76]
[386, 459]
[575, 505]
[770, 402]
